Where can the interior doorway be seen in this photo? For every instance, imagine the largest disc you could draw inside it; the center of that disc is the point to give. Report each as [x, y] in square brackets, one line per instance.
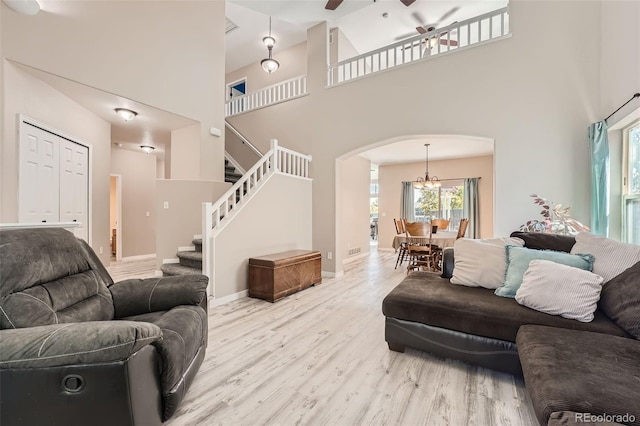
[115, 217]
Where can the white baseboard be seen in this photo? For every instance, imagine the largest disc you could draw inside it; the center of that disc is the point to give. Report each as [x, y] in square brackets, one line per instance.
[327, 274]
[217, 301]
[187, 248]
[140, 257]
[175, 260]
[157, 274]
[197, 237]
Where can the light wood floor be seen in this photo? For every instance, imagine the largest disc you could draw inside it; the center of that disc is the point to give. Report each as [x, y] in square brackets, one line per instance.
[319, 358]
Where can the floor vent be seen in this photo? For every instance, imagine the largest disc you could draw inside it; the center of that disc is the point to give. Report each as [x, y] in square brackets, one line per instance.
[354, 251]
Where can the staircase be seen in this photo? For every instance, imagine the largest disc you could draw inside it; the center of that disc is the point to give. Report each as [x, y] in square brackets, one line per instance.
[230, 173]
[190, 262]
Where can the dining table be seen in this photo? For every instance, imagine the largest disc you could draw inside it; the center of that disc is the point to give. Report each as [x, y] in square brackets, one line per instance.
[442, 239]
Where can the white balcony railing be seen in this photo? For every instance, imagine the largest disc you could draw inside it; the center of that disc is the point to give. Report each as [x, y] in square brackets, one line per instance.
[216, 215]
[460, 35]
[270, 95]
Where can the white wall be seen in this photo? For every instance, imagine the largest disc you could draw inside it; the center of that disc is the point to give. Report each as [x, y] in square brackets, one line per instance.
[182, 219]
[184, 153]
[277, 219]
[355, 194]
[619, 80]
[533, 95]
[169, 55]
[391, 176]
[293, 63]
[138, 183]
[25, 94]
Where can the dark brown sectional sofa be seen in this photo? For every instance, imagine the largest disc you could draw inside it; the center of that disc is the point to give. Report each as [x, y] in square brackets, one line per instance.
[573, 371]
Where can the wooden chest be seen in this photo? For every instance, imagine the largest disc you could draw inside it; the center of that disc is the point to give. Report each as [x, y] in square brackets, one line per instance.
[277, 275]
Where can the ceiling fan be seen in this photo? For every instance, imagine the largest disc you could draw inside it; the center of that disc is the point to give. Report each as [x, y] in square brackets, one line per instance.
[423, 28]
[333, 4]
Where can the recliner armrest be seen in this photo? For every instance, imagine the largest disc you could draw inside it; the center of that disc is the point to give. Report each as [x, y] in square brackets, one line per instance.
[140, 296]
[74, 343]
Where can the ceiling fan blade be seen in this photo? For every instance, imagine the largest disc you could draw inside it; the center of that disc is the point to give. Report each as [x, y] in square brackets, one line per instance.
[333, 4]
[407, 2]
[446, 42]
[418, 17]
[449, 13]
[421, 30]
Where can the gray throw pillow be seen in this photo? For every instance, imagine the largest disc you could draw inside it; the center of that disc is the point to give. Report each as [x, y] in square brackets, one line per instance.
[620, 300]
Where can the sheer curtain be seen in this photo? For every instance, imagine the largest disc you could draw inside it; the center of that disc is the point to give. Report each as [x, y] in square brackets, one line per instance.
[407, 210]
[470, 207]
[599, 150]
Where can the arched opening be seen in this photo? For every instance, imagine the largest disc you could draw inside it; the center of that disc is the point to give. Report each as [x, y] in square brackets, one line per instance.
[452, 158]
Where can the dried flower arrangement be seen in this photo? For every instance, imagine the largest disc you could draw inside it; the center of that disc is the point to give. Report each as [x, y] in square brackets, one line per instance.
[556, 219]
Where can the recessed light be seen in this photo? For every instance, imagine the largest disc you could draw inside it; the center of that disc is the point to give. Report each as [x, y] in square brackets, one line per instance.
[147, 148]
[126, 114]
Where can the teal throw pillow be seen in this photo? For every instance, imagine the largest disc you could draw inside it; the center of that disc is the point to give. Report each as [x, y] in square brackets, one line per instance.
[518, 259]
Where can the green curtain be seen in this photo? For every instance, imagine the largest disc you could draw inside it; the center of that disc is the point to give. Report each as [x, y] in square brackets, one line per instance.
[599, 150]
[470, 207]
[407, 209]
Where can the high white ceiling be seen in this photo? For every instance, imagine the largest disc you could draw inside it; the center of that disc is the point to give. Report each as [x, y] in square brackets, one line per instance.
[361, 21]
[442, 147]
[152, 126]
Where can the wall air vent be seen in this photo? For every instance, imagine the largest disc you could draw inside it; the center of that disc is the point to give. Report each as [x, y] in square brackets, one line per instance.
[354, 251]
[229, 26]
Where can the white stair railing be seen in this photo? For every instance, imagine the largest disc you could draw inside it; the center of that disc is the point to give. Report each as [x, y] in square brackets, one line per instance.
[215, 216]
[270, 95]
[481, 29]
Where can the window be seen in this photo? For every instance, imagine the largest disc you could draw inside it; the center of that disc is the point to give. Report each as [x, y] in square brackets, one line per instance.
[444, 202]
[631, 184]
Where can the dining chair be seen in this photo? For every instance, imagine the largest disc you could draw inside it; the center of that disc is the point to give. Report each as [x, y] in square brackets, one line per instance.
[441, 223]
[462, 229]
[402, 250]
[419, 249]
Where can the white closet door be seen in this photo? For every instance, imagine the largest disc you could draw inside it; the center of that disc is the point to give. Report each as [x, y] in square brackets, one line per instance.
[39, 176]
[74, 185]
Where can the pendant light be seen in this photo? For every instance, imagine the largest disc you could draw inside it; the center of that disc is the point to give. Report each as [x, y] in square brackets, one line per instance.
[269, 65]
[427, 182]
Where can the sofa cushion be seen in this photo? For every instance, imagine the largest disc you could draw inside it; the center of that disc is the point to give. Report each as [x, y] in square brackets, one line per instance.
[569, 370]
[47, 278]
[518, 259]
[481, 263]
[560, 290]
[544, 241]
[428, 299]
[75, 343]
[611, 257]
[620, 300]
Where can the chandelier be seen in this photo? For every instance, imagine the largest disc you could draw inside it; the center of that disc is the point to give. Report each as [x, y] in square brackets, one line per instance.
[427, 181]
[269, 65]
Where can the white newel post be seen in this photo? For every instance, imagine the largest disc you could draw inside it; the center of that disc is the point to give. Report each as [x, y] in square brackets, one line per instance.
[274, 150]
[207, 255]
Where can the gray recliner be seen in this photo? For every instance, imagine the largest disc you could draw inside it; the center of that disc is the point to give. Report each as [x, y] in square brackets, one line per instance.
[78, 349]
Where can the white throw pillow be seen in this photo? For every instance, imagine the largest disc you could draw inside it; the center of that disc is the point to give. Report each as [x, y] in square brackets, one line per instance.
[611, 257]
[558, 289]
[481, 263]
